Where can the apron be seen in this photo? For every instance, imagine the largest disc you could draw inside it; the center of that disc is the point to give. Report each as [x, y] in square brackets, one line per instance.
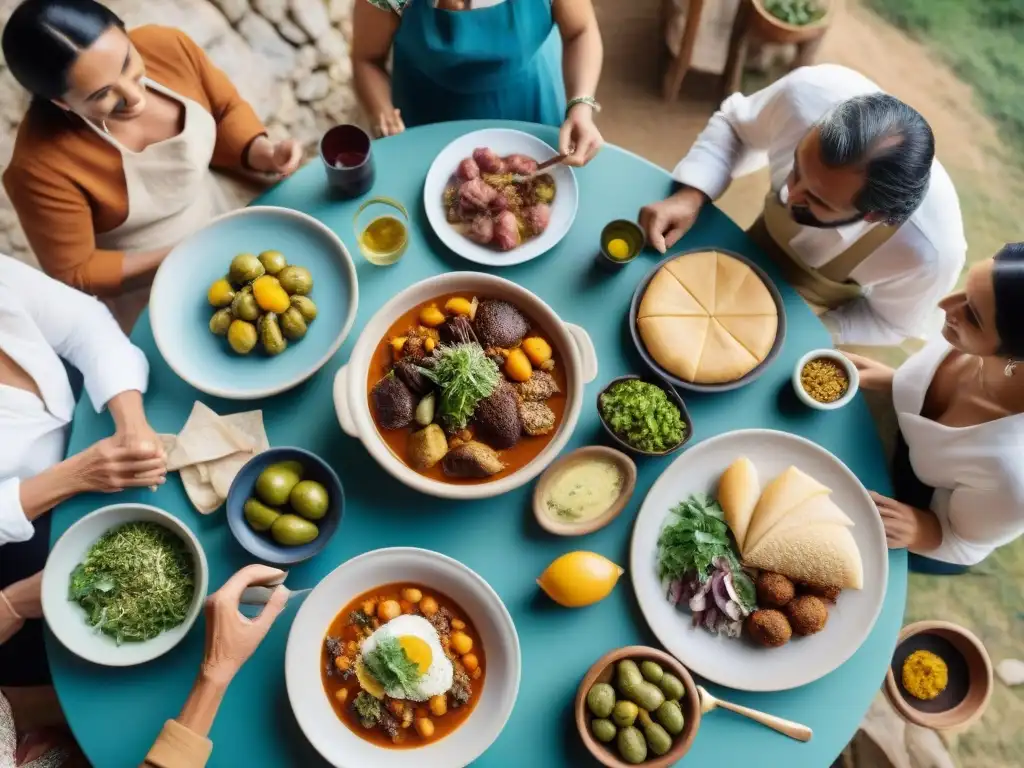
[828, 287]
[171, 193]
[503, 62]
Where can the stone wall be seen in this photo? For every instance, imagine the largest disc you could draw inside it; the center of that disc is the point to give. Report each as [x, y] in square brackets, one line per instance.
[289, 58]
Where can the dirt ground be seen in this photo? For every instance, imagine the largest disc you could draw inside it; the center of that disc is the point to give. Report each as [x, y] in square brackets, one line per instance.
[989, 600]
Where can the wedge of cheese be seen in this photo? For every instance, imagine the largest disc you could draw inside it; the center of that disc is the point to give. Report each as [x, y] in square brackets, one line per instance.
[822, 553]
[740, 318]
[738, 491]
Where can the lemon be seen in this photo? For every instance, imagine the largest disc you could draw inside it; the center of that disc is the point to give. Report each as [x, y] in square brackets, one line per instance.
[579, 578]
[618, 249]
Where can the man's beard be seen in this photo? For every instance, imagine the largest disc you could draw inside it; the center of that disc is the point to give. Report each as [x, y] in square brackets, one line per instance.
[802, 215]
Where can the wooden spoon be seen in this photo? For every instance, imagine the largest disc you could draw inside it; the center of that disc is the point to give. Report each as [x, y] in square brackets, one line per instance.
[786, 727]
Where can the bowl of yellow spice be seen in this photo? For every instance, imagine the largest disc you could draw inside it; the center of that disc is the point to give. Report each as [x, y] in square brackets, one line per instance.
[824, 379]
[940, 676]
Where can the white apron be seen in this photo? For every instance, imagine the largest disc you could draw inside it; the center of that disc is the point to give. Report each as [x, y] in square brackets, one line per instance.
[171, 193]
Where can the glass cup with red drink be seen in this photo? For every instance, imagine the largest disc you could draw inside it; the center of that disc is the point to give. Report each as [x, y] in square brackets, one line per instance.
[348, 160]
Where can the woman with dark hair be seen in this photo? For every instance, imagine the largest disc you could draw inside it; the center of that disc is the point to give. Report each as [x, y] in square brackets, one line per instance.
[958, 473]
[112, 164]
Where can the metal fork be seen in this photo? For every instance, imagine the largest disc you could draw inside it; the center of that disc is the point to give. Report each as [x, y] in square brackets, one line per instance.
[520, 178]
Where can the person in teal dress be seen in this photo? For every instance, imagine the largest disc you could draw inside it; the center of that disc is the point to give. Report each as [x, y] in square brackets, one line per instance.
[481, 59]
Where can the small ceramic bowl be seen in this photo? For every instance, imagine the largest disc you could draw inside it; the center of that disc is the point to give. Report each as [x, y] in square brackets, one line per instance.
[622, 229]
[551, 474]
[970, 676]
[839, 359]
[603, 672]
[673, 396]
[261, 544]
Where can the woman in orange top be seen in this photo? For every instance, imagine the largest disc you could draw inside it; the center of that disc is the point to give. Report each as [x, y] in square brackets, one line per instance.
[112, 164]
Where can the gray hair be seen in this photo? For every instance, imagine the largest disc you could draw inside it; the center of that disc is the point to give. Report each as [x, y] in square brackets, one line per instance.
[891, 142]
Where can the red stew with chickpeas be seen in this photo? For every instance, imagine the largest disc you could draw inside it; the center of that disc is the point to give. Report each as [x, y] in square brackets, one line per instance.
[357, 641]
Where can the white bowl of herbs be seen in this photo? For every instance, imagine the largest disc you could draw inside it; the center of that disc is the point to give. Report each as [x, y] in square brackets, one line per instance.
[124, 585]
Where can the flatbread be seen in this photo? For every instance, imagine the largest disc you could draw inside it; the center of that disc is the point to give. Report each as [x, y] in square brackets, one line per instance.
[738, 492]
[207, 437]
[782, 495]
[723, 358]
[818, 509]
[202, 495]
[751, 298]
[676, 343]
[756, 333]
[697, 272]
[822, 553]
[666, 296]
[731, 274]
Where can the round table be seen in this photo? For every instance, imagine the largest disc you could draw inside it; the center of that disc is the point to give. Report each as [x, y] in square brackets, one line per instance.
[116, 713]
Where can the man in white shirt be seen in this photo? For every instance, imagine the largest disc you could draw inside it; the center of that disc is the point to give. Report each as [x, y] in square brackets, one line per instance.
[861, 218]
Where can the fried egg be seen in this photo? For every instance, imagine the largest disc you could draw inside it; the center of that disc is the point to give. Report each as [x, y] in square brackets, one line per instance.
[419, 641]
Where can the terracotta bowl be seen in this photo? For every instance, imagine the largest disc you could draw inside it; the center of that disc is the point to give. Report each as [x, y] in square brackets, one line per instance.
[626, 466]
[768, 27]
[970, 676]
[602, 672]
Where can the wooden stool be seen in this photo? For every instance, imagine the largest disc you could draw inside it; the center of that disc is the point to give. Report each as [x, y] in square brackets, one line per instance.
[753, 22]
[676, 71]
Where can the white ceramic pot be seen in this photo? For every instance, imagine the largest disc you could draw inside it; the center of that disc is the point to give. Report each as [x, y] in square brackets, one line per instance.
[573, 349]
[837, 357]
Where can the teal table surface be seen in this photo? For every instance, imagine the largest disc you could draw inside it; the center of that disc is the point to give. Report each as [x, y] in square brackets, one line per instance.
[116, 713]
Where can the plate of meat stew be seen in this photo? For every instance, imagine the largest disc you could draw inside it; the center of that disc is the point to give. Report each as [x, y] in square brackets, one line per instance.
[480, 209]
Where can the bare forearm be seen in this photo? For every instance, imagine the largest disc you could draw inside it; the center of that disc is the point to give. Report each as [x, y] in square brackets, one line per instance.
[582, 56]
[49, 488]
[202, 704]
[373, 86]
[127, 410]
[139, 268]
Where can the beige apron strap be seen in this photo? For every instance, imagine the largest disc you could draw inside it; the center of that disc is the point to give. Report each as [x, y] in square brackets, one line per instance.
[843, 265]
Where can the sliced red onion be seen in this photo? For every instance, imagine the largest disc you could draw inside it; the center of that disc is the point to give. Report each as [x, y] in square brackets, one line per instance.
[719, 593]
[675, 591]
[711, 618]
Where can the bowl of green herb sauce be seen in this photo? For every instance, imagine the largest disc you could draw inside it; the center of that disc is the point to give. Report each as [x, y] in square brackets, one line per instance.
[644, 415]
[124, 584]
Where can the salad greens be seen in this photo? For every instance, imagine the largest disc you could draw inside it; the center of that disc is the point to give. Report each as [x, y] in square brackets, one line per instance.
[694, 538]
[391, 667]
[465, 376]
[641, 414]
[137, 581]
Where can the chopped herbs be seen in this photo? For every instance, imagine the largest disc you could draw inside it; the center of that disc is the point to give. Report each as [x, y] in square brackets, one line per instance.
[641, 414]
[392, 668]
[360, 619]
[137, 581]
[367, 708]
[695, 536]
[465, 376]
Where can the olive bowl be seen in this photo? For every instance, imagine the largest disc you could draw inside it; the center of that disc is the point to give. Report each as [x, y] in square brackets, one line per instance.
[260, 544]
[674, 398]
[603, 671]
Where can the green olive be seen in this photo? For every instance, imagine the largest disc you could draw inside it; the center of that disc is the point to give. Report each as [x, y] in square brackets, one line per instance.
[601, 700]
[671, 686]
[306, 306]
[244, 269]
[651, 671]
[657, 739]
[273, 261]
[275, 484]
[309, 499]
[624, 713]
[646, 695]
[627, 675]
[292, 466]
[259, 516]
[221, 321]
[242, 336]
[670, 715]
[296, 280]
[293, 531]
[293, 324]
[631, 745]
[273, 341]
[244, 306]
[603, 730]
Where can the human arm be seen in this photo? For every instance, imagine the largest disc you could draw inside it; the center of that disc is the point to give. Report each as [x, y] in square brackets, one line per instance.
[582, 55]
[374, 26]
[231, 639]
[873, 375]
[20, 601]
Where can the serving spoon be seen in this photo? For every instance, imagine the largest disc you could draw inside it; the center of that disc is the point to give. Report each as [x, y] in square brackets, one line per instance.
[521, 178]
[783, 726]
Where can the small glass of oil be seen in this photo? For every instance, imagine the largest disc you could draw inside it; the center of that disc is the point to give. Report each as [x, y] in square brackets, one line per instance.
[382, 230]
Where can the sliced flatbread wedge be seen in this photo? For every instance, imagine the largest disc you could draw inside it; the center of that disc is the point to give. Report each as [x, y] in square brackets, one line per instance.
[731, 274]
[816, 510]
[823, 553]
[751, 298]
[781, 496]
[675, 343]
[666, 296]
[696, 272]
[723, 358]
[756, 333]
[738, 491]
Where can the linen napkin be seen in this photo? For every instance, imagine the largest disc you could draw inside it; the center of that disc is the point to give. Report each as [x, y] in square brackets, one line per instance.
[210, 450]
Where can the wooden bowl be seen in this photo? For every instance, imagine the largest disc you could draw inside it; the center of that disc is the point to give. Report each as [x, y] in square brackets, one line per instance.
[602, 672]
[970, 676]
[626, 466]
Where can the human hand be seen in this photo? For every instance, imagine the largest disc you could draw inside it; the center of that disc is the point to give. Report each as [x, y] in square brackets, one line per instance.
[666, 221]
[579, 138]
[20, 601]
[282, 158]
[231, 638]
[389, 123]
[119, 462]
[873, 375]
[906, 526]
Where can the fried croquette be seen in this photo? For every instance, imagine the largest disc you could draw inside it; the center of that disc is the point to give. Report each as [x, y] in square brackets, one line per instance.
[769, 627]
[774, 590]
[807, 614]
[829, 594]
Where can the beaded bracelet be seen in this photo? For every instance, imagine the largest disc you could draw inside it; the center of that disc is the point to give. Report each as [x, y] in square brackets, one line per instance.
[590, 101]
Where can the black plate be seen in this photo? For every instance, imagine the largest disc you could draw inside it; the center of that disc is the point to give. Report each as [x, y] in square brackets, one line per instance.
[673, 396]
[780, 334]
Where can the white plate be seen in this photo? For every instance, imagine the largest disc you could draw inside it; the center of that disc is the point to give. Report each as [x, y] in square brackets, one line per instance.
[738, 663]
[505, 142]
[66, 619]
[331, 737]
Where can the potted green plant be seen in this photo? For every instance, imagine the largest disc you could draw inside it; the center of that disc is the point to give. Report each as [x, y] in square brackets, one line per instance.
[791, 21]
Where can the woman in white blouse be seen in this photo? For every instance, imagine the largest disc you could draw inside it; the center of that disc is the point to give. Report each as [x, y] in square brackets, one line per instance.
[959, 466]
[41, 322]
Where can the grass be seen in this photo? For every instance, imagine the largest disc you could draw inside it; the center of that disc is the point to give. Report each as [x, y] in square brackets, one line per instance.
[983, 41]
